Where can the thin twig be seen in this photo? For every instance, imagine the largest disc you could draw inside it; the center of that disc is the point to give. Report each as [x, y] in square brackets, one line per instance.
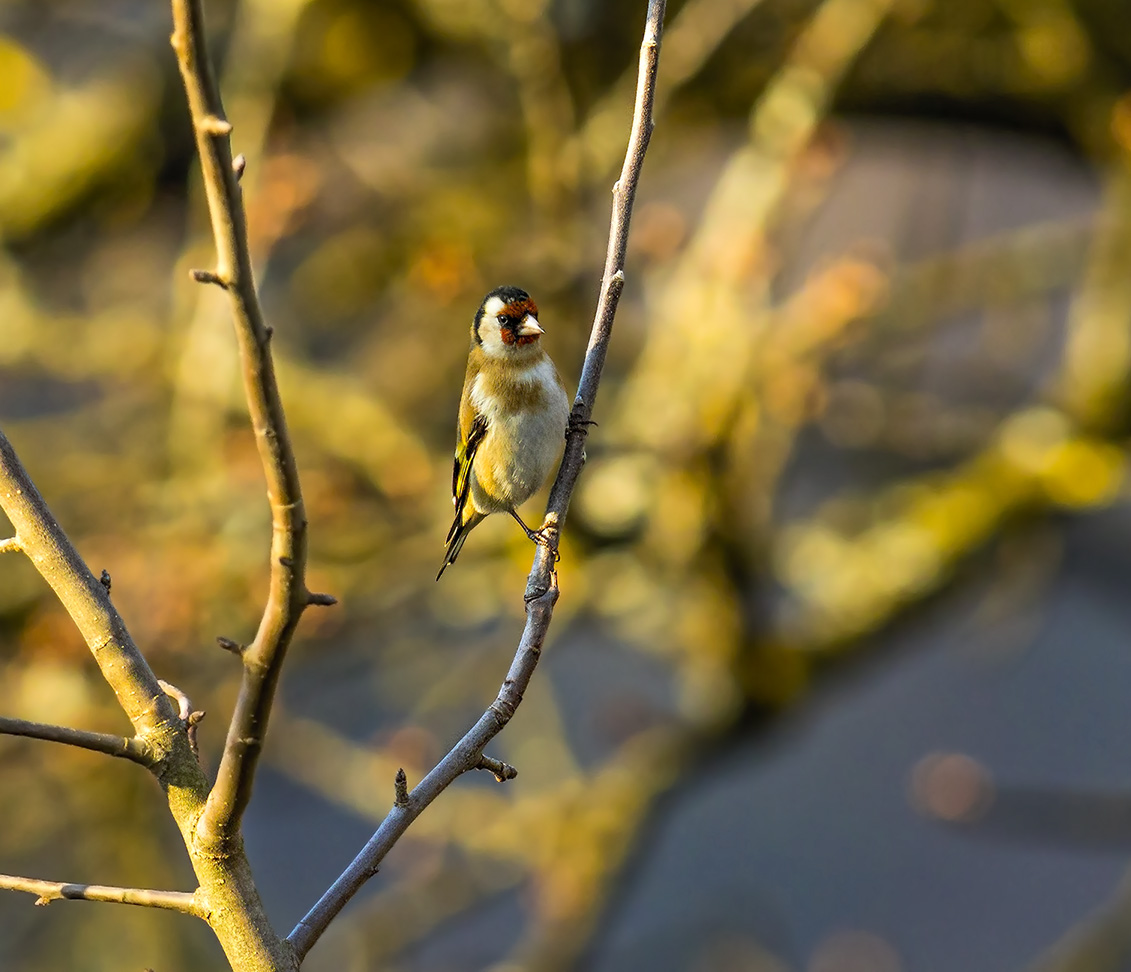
[184, 706]
[130, 748]
[229, 645]
[287, 594]
[541, 589]
[695, 33]
[463, 757]
[503, 771]
[48, 891]
[189, 716]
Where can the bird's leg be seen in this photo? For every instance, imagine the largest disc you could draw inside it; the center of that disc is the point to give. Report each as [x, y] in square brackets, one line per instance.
[538, 536]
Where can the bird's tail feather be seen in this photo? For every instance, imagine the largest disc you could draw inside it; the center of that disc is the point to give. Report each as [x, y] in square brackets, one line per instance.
[457, 535]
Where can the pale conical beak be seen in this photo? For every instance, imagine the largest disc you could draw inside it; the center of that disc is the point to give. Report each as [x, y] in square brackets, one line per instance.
[529, 327]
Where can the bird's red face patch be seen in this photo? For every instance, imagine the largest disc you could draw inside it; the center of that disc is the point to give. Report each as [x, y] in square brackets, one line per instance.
[517, 311]
[520, 308]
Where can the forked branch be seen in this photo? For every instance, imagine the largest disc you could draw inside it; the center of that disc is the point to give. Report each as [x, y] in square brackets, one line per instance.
[287, 595]
[541, 590]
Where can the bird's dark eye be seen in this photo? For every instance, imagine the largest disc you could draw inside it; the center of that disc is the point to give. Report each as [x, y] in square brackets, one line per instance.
[505, 319]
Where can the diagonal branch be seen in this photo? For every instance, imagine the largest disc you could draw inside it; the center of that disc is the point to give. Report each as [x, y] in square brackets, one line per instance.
[287, 595]
[41, 538]
[542, 589]
[612, 283]
[48, 891]
[134, 749]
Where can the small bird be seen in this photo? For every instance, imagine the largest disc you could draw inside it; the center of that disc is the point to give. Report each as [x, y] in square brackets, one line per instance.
[512, 417]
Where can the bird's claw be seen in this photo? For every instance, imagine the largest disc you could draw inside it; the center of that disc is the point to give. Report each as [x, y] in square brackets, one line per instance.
[578, 427]
[542, 538]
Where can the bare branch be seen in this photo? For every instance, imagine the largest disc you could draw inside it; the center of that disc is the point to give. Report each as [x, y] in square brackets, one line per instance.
[100, 742]
[612, 283]
[48, 891]
[541, 589]
[287, 594]
[85, 598]
[464, 756]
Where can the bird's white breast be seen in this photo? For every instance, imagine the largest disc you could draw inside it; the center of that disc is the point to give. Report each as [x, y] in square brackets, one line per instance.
[521, 446]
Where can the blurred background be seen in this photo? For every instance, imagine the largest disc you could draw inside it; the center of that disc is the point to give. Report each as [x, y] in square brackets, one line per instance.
[838, 680]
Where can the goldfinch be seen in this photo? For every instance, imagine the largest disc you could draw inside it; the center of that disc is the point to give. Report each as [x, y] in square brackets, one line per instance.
[512, 417]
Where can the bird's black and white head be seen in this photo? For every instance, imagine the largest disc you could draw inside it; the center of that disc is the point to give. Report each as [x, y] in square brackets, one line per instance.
[506, 324]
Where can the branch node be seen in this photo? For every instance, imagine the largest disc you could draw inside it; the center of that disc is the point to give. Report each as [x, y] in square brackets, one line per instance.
[189, 717]
[191, 723]
[322, 600]
[10, 545]
[228, 645]
[104, 580]
[504, 710]
[400, 787]
[503, 771]
[184, 706]
[287, 562]
[534, 591]
[42, 901]
[214, 125]
[209, 277]
[239, 163]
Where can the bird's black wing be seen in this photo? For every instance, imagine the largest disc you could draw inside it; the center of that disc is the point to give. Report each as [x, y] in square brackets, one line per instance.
[461, 468]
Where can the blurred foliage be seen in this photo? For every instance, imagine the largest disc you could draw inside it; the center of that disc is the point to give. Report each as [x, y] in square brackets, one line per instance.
[404, 157]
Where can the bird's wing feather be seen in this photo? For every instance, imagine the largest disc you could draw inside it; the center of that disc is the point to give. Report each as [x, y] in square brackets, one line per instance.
[472, 431]
[465, 456]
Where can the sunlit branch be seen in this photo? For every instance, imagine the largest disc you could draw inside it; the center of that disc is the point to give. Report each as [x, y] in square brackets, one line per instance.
[541, 589]
[287, 594]
[258, 49]
[48, 891]
[99, 742]
[85, 598]
[696, 31]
